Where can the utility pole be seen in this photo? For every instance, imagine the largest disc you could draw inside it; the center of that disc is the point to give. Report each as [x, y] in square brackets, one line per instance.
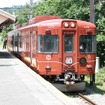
[92, 11]
[14, 15]
[92, 76]
[31, 2]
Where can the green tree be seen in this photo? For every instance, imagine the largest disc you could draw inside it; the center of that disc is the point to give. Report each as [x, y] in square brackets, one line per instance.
[23, 15]
[100, 21]
[78, 9]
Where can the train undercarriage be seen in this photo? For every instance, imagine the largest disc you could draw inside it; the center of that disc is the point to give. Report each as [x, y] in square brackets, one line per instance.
[67, 82]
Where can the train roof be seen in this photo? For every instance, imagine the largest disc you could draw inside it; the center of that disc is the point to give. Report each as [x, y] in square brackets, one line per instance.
[58, 22]
[42, 21]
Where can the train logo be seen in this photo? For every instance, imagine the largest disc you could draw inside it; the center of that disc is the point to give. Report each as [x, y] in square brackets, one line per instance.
[48, 57]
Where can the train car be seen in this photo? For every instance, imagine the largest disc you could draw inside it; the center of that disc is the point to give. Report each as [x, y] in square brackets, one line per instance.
[60, 50]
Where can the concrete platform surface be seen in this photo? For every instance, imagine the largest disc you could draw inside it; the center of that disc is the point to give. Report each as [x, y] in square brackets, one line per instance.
[19, 85]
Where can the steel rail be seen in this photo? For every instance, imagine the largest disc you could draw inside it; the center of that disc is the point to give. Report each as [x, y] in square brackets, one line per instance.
[86, 99]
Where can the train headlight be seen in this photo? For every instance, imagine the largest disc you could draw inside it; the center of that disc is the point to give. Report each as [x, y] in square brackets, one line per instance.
[66, 25]
[72, 24]
[82, 61]
[68, 60]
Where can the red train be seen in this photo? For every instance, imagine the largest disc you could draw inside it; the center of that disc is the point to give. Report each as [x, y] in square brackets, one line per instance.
[62, 50]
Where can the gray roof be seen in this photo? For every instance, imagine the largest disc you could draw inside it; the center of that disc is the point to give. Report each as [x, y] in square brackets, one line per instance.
[6, 18]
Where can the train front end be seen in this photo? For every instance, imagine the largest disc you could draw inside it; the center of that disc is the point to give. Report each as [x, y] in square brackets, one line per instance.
[62, 58]
[79, 50]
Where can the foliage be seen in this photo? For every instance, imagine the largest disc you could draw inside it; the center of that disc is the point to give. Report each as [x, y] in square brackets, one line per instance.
[100, 16]
[99, 82]
[5, 31]
[101, 48]
[65, 9]
[100, 20]
[46, 7]
[3, 34]
[23, 15]
[100, 76]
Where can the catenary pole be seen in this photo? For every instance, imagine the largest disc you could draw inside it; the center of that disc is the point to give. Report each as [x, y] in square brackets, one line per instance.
[92, 11]
[31, 2]
[92, 76]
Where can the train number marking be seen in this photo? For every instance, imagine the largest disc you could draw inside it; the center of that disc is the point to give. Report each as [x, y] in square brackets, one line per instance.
[69, 60]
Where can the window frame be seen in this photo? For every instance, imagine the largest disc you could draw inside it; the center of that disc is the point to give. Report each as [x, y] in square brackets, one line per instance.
[42, 50]
[93, 44]
[72, 43]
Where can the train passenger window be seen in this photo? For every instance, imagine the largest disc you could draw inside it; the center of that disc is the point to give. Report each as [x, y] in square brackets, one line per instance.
[40, 48]
[48, 44]
[86, 43]
[68, 43]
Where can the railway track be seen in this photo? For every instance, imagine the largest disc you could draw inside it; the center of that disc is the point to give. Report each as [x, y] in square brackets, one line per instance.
[87, 101]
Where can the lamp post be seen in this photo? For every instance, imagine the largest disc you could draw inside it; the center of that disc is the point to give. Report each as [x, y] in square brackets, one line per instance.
[31, 2]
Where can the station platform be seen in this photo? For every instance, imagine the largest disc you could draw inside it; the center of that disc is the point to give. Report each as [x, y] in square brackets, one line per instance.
[19, 85]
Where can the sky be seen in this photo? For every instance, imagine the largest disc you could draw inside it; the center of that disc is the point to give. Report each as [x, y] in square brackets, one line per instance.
[10, 3]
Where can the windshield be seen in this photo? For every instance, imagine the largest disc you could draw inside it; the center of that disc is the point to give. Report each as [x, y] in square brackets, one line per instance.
[87, 44]
[68, 43]
[48, 43]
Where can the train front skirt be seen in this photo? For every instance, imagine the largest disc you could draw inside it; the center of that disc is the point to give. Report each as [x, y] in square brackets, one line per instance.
[80, 86]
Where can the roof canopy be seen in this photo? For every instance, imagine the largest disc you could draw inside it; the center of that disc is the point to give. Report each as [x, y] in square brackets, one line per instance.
[6, 19]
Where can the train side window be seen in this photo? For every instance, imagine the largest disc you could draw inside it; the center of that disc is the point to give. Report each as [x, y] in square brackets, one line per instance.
[40, 45]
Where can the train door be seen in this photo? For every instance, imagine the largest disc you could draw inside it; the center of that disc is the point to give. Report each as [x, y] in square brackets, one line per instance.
[67, 51]
[32, 46]
[87, 53]
[34, 33]
[87, 56]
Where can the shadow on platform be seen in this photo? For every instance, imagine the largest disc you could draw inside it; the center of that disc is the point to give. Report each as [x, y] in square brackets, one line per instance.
[5, 55]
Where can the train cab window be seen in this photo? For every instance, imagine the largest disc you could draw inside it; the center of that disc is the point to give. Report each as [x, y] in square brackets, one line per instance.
[68, 43]
[48, 44]
[86, 44]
